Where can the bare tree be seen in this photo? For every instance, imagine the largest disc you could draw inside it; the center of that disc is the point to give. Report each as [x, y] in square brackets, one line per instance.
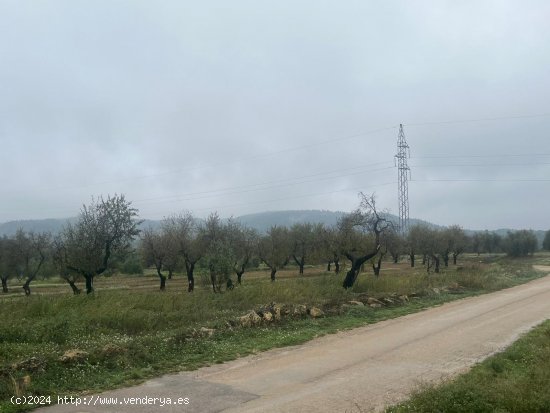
[366, 220]
[459, 241]
[274, 249]
[104, 228]
[303, 243]
[330, 247]
[245, 243]
[30, 254]
[59, 258]
[155, 250]
[7, 261]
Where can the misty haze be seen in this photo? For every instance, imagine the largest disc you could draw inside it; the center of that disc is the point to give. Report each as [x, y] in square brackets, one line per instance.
[189, 188]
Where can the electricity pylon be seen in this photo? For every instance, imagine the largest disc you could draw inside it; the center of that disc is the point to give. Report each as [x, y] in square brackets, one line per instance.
[403, 173]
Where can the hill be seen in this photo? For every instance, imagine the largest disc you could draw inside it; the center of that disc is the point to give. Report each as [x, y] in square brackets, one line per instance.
[260, 221]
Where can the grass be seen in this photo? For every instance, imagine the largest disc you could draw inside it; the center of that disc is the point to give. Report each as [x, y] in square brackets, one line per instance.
[132, 332]
[516, 380]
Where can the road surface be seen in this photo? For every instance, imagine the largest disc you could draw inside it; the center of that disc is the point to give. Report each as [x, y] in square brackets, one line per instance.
[359, 370]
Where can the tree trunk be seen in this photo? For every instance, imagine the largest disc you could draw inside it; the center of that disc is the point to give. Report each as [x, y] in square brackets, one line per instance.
[395, 258]
[412, 259]
[273, 271]
[5, 285]
[189, 269]
[229, 284]
[455, 256]
[170, 272]
[328, 266]
[436, 263]
[75, 289]
[162, 278]
[239, 276]
[356, 264]
[89, 284]
[213, 281]
[424, 259]
[337, 266]
[300, 262]
[446, 259]
[377, 265]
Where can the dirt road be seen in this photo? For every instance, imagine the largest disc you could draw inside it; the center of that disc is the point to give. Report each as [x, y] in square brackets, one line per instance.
[368, 367]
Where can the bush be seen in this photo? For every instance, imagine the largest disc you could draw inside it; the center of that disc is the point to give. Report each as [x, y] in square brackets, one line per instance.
[520, 243]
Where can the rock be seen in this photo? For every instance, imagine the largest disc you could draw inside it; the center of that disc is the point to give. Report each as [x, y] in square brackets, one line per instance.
[357, 303]
[32, 364]
[375, 305]
[73, 356]
[21, 384]
[388, 300]
[250, 319]
[207, 332]
[112, 350]
[267, 316]
[276, 312]
[372, 300]
[300, 310]
[315, 312]
[404, 298]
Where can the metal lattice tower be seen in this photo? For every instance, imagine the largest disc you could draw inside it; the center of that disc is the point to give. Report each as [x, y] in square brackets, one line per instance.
[403, 173]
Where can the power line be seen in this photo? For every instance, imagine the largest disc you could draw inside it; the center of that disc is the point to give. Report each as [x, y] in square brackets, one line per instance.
[481, 156]
[480, 180]
[214, 194]
[448, 122]
[295, 197]
[291, 180]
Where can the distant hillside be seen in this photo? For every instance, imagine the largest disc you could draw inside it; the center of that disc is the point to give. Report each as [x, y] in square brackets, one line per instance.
[51, 225]
[261, 221]
[35, 225]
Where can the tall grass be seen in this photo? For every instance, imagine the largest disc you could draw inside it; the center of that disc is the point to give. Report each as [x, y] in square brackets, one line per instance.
[132, 334]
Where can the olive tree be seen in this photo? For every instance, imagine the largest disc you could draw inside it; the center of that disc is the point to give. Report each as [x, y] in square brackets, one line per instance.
[188, 234]
[30, 252]
[361, 231]
[546, 241]
[218, 252]
[303, 243]
[105, 228]
[244, 242]
[59, 259]
[330, 247]
[274, 249]
[7, 261]
[157, 249]
[520, 243]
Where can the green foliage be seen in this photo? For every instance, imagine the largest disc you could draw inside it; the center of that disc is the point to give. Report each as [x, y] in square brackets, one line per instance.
[131, 265]
[520, 243]
[546, 241]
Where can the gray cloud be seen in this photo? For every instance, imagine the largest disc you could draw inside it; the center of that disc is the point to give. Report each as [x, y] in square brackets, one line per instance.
[226, 105]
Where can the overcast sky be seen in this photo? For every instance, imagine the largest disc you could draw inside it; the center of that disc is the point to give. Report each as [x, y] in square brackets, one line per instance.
[247, 106]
